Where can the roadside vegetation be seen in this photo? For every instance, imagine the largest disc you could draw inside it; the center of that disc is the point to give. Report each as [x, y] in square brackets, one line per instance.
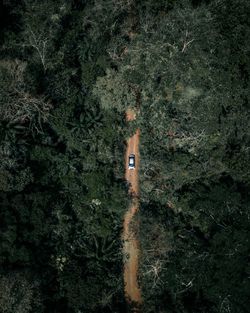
[68, 72]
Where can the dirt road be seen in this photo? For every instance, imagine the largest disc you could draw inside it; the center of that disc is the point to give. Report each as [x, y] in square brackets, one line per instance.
[131, 246]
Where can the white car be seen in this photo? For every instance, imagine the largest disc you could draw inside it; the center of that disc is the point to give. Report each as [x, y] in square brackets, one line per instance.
[131, 161]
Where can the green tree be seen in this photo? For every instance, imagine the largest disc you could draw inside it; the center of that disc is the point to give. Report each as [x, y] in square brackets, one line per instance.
[19, 293]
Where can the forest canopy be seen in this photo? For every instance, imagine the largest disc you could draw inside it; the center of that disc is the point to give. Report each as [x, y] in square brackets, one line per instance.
[68, 72]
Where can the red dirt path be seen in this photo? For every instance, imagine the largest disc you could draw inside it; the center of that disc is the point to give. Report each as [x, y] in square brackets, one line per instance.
[131, 246]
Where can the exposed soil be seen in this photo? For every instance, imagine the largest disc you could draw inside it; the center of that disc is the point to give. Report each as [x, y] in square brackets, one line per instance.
[131, 245]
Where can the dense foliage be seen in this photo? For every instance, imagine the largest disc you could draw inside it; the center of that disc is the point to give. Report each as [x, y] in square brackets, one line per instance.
[68, 71]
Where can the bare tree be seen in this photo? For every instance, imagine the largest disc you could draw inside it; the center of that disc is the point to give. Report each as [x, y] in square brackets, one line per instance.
[186, 42]
[153, 271]
[18, 105]
[40, 44]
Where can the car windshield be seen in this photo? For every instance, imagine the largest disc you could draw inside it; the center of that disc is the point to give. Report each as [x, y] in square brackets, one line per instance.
[131, 160]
